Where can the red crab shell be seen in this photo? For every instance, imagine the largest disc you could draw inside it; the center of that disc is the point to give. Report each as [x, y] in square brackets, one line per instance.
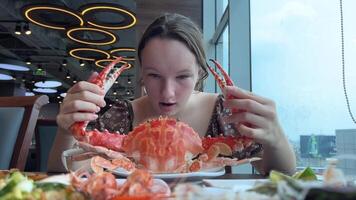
[162, 145]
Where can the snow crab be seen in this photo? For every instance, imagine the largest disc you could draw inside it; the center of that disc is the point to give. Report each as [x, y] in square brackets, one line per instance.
[161, 145]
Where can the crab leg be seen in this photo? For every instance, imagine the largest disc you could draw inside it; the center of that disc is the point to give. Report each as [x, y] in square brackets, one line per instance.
[98, 164]
[105, 80]
[222, 81]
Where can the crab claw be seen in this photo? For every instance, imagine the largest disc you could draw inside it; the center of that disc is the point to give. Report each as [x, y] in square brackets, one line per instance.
[109, 74]
[222, 81]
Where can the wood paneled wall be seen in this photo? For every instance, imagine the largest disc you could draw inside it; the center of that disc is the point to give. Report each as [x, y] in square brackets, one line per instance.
[148, 10]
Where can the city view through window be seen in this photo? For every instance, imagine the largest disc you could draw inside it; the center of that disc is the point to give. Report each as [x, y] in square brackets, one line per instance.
[296, 60]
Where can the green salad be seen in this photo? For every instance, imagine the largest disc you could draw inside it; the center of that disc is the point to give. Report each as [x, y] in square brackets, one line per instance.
[18, 186]
[302, 185]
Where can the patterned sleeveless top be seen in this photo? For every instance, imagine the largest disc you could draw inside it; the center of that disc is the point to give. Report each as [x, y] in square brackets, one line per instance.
[120, 118]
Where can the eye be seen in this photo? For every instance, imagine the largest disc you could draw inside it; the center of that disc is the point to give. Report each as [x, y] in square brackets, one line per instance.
[154, 75]
[183, 77]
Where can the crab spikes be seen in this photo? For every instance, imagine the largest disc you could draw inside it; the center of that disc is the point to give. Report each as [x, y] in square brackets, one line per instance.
[106, 79]
[223, 82]
[99, 80]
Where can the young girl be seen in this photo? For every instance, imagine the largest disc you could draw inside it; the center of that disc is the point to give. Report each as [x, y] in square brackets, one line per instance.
[173, 67]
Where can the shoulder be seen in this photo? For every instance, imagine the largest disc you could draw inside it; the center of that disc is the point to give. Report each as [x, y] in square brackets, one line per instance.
[204, 98]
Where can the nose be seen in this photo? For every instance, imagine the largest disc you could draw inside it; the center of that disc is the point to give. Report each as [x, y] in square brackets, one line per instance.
[167, 89]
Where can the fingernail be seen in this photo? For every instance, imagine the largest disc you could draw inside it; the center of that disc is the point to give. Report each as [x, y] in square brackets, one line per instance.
[94, 116]
[97, 109]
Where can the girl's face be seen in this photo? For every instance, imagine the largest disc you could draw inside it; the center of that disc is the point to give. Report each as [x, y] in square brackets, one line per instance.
[170, 72]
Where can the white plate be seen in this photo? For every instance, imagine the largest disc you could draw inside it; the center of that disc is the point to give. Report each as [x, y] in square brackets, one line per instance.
[158, 184]
[209, 173]
[236, 184]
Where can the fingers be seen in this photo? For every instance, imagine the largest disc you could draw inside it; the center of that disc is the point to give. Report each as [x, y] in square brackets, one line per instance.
[79, 105]
[66, 120]
[256, 121]
[248, 105]
[86, 86]
[85, 96]
[243, 94]
[254, 133]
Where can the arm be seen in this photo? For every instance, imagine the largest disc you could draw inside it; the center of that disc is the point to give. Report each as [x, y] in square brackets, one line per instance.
[279, 157]
[81, 103]
[256, 117]
[63, 141]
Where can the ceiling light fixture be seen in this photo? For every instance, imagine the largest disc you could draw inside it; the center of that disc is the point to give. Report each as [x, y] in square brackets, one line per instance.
[14, 65]
[18, 29]
[109, 37]
[98, 62]
[33, 14]
[128, 81]
[123, 50]
[45, 90]
[26, 28]
[29, 94]
[81, 63]
[64, 62]
[73, 52]
[48, 84]
[5, 77]
[68, 75]
[28, 61]
[90, 10]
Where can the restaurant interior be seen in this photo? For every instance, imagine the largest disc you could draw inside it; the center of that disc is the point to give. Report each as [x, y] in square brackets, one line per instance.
[46, 47]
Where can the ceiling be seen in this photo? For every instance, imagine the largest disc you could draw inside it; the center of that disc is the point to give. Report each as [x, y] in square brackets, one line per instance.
[49, 47]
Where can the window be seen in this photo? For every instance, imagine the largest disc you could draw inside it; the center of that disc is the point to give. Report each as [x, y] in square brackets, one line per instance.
[296, 61]
[220, 9]
[222, 49]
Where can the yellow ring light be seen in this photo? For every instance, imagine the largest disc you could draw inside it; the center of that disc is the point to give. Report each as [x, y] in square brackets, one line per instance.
[97, 63]
[123, 50]
[72, 53]
[31, 9]
[134, 20]
[112, 40]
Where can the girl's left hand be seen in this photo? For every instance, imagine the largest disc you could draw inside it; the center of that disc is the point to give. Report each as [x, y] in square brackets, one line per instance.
[253, 116]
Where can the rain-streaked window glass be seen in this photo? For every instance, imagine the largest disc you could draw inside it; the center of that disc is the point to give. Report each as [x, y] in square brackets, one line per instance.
[297, 59]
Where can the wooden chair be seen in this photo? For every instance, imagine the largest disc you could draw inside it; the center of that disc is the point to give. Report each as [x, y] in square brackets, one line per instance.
[22, 111]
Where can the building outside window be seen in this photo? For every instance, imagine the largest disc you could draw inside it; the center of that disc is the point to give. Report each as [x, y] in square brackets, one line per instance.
[297, 62]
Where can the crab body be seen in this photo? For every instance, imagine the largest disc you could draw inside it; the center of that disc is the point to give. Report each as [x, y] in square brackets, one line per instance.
[162, 145]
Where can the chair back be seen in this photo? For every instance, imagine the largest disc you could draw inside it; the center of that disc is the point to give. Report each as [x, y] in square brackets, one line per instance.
[18, 120]
[46, 130]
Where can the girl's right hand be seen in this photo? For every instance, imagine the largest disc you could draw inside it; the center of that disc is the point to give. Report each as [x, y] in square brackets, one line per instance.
[82, 102]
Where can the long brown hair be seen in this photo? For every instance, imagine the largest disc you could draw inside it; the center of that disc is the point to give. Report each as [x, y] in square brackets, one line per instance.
[183, 29]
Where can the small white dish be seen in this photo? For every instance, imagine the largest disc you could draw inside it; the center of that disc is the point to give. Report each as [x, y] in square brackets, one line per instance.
[235, 184]
[208, 173]
[67, 157]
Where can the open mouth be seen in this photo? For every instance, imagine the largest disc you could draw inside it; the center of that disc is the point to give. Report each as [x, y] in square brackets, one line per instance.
[167, 104]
